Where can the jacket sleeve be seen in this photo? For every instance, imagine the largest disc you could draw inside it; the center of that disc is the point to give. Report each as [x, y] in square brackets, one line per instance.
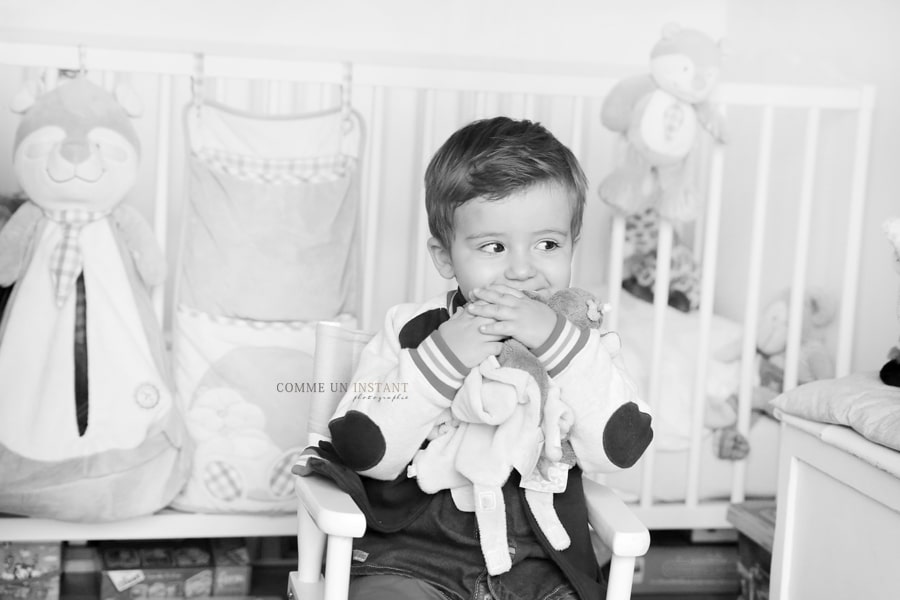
[397, 396]
[611, 425]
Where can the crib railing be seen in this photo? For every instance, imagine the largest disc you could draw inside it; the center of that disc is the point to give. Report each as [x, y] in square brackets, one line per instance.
[409, 110]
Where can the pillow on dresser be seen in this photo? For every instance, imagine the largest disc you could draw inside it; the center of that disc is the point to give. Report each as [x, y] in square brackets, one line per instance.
[858, 400]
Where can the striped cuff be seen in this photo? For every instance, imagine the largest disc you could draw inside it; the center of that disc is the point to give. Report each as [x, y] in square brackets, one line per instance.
[564, 343]
[439, 365]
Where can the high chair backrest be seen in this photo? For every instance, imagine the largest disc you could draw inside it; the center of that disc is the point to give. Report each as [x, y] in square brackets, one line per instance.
[337, 352]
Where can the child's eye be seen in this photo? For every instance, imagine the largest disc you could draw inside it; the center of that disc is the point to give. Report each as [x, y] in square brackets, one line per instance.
[548, 245]
[492, 247]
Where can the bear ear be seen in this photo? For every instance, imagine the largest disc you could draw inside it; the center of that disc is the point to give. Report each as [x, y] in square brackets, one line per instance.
[129, 100]
[670, 29]
[27, 96]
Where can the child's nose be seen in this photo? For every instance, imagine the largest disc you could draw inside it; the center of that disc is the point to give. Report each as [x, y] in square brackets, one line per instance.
[520, 266]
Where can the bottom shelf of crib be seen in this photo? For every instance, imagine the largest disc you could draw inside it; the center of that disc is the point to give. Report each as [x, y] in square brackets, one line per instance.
[166, 524]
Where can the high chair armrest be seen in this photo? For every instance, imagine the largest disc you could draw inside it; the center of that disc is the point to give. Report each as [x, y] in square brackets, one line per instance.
[332, 509]
[615, 523]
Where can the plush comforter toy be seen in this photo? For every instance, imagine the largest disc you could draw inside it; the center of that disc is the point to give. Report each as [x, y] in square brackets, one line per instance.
[659, 115]
[510, 416]
[89, 430]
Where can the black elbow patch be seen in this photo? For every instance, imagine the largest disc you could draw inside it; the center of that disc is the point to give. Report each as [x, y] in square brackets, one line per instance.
[357, 440]
[627, 435]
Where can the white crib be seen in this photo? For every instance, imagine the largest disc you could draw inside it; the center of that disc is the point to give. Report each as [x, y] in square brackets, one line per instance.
[766, 191]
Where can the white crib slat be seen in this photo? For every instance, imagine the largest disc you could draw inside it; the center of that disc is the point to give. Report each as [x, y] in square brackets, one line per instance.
[274, 97]
[751, 309]
[161, 197]
[660, 306]
[801, 251]
[707, 298]
[614, 279]
[481, 105]
[578, 147]
[427, 145]
[854, 231]
[531, 107]
[371, 204]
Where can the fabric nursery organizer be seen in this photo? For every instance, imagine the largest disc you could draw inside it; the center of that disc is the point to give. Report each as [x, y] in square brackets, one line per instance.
[218, 153]
[268, 250]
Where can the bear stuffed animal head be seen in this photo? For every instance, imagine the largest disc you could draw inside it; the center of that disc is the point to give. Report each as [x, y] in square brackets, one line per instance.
[686, 63]
[76, 147]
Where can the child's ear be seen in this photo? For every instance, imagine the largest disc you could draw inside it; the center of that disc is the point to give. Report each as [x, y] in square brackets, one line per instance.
[441, 258]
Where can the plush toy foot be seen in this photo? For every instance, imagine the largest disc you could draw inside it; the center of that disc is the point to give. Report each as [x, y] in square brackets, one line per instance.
[641, 292]
[732, 445]
[890, 373]
[679, 301]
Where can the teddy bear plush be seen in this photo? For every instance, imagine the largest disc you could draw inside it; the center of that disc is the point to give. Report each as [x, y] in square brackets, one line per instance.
[86, 385]
[659, 115]
[890, 371]
[815, 362]
[509, 416]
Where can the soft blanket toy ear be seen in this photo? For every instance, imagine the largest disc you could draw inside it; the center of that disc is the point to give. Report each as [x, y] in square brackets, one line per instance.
[659, 115]
[86, 384]
[509, 416]
[890, 372]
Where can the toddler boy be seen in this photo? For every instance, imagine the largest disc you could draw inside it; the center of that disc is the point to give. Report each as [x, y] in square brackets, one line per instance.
[505, 201]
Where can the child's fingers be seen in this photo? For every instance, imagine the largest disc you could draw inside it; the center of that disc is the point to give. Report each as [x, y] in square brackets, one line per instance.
[497, 294]
[498, 328]
[495, 348]
[491, 311]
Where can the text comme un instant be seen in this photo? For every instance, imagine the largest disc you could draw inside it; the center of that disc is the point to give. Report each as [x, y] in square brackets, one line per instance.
[357, 387]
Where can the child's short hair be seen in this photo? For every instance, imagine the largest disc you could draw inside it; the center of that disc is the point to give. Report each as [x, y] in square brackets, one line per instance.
[493, 158]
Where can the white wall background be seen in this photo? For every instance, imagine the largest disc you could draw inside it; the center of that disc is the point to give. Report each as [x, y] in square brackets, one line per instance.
[823, 41]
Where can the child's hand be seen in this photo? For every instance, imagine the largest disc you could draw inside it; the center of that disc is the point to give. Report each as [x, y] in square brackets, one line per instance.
[463, 335]
[515, 314]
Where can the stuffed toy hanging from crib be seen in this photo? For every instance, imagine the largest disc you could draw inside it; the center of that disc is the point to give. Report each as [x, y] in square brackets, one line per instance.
[890, 371]
[659, 115]
[89, 428]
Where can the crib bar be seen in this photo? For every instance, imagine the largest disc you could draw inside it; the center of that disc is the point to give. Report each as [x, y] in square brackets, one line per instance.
[616, 259]
[515, 78]
[370, 209]
[751, 309]
[707, 298]
[273, 95]
[854, 231]
[578, 147]
[161, 201]
[786, 96]
[660, 306]
[798, 285]
[427, 141]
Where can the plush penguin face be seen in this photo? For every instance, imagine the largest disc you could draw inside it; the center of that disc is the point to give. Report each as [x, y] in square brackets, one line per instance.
[686, 63]
[75, 147]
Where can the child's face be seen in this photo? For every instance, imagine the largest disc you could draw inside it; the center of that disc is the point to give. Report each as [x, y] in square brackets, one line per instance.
[523, 241]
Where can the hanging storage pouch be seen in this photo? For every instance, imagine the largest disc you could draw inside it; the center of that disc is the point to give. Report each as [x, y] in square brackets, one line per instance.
[268, 250]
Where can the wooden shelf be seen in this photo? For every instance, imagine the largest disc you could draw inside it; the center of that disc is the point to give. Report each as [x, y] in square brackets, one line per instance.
[166, 524]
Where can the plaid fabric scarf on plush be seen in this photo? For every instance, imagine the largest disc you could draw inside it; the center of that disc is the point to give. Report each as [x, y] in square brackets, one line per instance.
[66, 260]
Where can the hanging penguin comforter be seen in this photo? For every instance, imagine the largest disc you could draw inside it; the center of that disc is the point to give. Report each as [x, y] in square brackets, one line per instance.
[89, 428]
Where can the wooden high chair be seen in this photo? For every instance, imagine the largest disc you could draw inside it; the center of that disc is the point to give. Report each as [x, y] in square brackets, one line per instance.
[329, 519]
